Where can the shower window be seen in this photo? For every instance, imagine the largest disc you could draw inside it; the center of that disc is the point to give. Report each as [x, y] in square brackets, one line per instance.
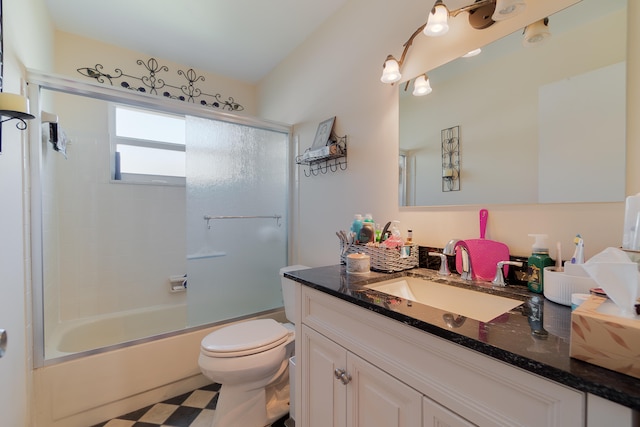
[147, 146]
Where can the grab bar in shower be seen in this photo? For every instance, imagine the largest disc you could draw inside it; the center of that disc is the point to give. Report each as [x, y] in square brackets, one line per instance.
[210, 217]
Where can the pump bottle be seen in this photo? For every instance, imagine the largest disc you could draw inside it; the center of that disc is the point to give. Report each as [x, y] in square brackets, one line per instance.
[368, 231]
[536, 263]
[356, 226]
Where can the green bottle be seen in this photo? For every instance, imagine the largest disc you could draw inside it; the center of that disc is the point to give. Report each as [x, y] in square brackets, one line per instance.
[536, 263]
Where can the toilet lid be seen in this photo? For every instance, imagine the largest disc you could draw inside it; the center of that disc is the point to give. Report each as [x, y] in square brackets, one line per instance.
[245, 338]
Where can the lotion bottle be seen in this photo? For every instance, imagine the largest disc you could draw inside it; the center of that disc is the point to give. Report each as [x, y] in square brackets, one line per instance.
[368, 230]
[536, 263]
[356, 226]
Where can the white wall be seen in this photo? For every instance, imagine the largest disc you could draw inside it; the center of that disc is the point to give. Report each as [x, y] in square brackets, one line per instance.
[26, 33]
[336, 72]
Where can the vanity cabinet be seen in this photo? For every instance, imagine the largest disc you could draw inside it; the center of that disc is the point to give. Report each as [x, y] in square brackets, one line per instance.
[361, 368]
[345, 390]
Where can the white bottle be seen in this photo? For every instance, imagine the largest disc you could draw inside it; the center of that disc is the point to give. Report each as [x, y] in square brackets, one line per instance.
[631, 233]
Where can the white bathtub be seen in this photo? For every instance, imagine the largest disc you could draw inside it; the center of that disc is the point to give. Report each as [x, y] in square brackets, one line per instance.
[85, 389]
[86, 334]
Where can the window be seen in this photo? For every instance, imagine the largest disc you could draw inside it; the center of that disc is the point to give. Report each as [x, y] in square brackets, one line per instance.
[147, 146]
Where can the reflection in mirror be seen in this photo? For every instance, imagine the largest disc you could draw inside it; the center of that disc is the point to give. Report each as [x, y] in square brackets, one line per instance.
[537, 125]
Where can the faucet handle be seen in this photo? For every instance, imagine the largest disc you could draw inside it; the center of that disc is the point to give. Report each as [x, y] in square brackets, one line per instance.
[444, 267]
[498, 280]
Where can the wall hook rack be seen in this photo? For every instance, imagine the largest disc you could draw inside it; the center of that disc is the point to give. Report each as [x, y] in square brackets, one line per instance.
[335, 158]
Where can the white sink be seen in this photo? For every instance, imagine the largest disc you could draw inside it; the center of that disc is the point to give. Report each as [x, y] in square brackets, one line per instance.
[476, 305]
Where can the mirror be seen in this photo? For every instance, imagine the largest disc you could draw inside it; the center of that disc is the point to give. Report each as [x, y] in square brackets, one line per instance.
[536, 125]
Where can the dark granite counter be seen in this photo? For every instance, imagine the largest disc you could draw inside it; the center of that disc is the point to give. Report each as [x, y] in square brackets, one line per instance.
[534, 336]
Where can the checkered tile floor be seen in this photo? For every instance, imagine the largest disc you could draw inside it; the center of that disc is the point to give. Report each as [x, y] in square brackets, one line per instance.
[194, 409]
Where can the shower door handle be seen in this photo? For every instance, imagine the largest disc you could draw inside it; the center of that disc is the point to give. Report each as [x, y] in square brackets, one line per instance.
[3, 342]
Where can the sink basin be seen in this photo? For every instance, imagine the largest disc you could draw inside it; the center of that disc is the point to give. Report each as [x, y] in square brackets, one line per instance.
[476, 305]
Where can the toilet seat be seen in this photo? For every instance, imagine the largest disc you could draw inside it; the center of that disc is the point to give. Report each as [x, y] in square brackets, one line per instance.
[245, 338]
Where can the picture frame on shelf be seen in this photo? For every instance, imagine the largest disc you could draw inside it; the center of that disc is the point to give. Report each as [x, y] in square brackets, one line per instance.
[323, 133]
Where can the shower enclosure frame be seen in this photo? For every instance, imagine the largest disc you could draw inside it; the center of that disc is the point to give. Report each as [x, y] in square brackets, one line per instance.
[33, 182]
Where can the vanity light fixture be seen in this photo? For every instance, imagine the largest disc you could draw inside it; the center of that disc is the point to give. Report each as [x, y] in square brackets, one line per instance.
[480, 16]
[535, 34]
[421, 86]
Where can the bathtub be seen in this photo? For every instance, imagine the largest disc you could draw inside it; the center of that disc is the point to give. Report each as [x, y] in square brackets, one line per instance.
[81, 389]
[80, 335]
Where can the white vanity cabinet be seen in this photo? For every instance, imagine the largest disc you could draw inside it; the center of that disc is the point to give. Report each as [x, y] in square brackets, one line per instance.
[360, 368]
[344, 390]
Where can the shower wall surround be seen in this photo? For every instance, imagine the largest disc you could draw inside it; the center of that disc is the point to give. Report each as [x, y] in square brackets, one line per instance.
[111, 247]
[105, 244]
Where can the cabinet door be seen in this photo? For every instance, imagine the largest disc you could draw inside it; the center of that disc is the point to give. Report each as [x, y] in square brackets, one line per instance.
[323, 395]
[436, 415]
[376, 399]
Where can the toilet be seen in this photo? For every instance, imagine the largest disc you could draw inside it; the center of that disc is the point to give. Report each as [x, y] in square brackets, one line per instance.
[250, 360]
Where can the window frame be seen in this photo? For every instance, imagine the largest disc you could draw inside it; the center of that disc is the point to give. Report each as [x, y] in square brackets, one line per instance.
[138, 178]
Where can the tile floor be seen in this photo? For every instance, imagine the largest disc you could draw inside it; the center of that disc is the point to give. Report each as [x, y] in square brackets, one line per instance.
[193, 409]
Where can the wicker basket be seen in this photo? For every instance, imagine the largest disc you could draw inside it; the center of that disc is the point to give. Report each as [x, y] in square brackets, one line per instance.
[382, 258]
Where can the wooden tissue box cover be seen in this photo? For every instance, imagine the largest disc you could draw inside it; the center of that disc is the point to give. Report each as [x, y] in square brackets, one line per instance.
[605, 340]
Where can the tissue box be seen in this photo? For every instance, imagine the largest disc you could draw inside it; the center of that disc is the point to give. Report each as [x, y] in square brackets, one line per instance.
[605, 340]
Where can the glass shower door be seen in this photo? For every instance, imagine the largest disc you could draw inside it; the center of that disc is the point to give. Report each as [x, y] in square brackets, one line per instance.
[237, 177]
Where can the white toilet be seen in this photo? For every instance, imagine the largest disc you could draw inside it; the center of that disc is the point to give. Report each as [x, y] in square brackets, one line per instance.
[250, 360]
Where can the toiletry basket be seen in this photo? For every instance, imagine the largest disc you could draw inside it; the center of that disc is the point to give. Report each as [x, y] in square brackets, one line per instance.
[383, 259]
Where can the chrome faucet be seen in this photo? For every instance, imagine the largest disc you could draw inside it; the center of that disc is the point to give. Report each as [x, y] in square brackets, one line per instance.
[444, 267]
[498, 280]
[450, 250]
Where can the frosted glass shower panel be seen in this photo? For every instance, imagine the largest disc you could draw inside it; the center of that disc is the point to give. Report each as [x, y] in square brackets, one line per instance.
[233, 263]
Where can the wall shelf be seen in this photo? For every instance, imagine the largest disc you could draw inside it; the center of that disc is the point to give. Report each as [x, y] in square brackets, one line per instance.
[333, 159]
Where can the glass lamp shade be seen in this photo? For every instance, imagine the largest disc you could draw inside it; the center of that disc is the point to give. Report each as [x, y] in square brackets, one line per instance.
[536, 33]
[437, 24]
[506, 9]
[391, 71]
[421, 86]
[472, 53]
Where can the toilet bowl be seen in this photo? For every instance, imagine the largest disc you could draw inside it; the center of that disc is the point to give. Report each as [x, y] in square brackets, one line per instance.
[250, 360]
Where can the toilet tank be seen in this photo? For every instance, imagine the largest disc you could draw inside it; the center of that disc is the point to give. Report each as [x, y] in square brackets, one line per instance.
[289, 291]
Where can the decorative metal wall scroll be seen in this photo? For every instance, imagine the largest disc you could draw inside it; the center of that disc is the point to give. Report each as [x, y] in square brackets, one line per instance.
[451, 159]
[152, 82]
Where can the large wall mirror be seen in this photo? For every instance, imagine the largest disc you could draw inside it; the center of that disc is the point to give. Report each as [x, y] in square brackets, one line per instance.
[536, 125]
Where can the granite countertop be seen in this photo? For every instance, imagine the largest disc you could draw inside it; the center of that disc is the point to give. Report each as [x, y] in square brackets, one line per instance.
[534, 336]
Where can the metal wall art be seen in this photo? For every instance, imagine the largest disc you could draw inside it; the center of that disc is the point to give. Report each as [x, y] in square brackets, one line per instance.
[152, 82]
[451, 159]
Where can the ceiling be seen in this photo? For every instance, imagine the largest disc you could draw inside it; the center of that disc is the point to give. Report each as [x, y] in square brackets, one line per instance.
[240, 39]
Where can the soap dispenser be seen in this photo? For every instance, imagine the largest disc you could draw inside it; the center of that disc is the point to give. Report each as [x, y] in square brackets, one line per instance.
[536, 263]
[368, 230]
